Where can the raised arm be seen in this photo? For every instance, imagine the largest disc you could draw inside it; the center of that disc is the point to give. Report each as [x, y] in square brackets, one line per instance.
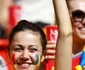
[64, 42]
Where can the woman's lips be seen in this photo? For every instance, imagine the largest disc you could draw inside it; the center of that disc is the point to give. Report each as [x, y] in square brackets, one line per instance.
[24, 65]
[20, 63]
[82, 30]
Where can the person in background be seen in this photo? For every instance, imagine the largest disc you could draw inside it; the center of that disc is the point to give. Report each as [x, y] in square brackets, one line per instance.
[4, 12]
[4, 15]
[76, 10]
[78, 25]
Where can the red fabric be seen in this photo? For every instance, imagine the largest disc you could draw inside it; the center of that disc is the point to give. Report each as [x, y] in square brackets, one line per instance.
[4, 43]
[49, 65]
[5, 57]
[14, 14]
[75, 61]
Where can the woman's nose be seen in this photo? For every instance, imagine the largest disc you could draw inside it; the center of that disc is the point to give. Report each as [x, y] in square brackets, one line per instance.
[25, 54]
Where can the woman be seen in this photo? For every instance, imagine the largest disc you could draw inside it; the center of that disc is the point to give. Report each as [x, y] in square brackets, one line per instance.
[27, 44]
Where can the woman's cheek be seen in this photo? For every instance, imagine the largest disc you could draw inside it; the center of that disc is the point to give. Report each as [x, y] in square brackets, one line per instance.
[36, 59]
[15, 58]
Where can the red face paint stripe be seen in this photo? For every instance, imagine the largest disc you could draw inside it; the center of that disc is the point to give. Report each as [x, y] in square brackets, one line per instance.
[13, 58]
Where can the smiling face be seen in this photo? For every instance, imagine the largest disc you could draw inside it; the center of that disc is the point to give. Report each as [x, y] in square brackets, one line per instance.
[25, 47]
[78, 27]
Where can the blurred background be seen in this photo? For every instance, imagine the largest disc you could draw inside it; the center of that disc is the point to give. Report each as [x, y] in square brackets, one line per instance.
[11, 11]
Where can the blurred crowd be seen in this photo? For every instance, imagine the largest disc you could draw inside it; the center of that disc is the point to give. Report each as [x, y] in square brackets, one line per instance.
[31, 10]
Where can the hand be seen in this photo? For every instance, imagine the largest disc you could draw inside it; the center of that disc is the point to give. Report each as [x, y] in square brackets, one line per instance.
[50, 50]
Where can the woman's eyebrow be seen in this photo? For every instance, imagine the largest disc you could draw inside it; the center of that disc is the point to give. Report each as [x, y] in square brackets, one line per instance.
[17, 45]
[33, 46]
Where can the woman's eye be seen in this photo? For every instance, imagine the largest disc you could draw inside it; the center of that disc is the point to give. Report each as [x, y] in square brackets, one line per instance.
[33, 50]
[17, 49]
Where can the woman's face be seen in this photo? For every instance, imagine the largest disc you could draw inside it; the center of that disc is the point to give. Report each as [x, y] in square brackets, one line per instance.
[78, 17]
[25, 50]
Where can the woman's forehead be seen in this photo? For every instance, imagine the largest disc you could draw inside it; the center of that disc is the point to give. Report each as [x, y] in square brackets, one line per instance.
[76, 5]
[75, 0]
[27, 38]
[27, 33]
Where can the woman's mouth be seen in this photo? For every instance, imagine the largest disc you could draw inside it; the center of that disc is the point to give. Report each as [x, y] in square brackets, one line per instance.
[24, 65]
[82, 30]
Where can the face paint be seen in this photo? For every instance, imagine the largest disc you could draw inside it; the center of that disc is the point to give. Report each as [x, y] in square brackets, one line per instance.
[13, 58]
[38, 58]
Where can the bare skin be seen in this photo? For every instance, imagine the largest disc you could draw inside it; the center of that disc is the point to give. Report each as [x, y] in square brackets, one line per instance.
[64, 42]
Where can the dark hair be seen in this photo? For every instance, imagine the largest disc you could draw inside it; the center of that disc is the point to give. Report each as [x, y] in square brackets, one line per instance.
[41, 24]
[25, 25]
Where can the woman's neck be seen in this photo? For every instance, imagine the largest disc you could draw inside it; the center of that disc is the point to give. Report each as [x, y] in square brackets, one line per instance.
[77, 45]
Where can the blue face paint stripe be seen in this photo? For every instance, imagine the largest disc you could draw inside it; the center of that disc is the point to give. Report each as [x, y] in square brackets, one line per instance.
[37, 59]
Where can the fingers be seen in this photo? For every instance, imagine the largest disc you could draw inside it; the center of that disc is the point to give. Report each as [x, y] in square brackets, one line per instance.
[50, 50]
[50, 54]
[50, 44]
[50, 57]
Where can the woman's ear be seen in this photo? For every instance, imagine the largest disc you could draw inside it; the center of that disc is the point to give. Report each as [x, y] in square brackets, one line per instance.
[42, 58]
